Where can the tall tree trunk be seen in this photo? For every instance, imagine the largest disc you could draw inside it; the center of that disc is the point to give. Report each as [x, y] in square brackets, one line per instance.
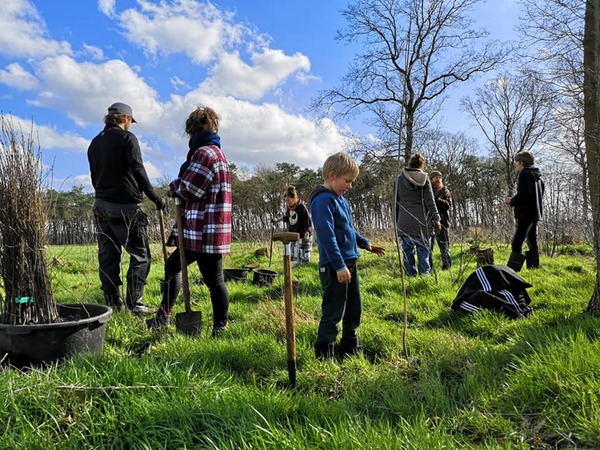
[410, 127]
[591, 63]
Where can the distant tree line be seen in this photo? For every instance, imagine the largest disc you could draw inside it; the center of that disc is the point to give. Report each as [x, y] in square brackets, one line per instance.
[478, 185]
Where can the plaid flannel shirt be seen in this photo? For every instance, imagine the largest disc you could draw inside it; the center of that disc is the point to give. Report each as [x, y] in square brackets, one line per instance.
[205, 185]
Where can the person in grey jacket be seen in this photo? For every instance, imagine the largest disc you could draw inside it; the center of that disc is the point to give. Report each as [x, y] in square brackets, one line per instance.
[416, 215]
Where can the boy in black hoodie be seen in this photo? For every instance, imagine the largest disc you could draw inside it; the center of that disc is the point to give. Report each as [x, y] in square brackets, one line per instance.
[527, 204]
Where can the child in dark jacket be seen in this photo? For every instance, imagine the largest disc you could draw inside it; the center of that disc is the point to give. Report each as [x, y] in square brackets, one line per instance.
[338, 242]
[527, 205]
[298, 219]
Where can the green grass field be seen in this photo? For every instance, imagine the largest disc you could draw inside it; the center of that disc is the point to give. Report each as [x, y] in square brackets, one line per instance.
[475, 381]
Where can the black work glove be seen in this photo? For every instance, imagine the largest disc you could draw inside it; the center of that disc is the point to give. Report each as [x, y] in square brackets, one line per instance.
[161, 204]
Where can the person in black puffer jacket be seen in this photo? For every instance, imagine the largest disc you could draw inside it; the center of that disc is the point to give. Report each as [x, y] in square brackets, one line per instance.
[527, 205]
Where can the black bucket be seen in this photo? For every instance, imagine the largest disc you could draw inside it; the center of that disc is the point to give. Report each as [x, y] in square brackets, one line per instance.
[81, 330]
[235, 274]
[264, 277]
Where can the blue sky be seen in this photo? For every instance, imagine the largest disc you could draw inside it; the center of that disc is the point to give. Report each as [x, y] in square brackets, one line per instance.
[257, 63]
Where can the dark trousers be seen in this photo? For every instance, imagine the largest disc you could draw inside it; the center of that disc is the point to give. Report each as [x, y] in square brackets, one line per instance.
[118, 227]
[443, 240]
[211, 268]
[525, 229]
[341, 302]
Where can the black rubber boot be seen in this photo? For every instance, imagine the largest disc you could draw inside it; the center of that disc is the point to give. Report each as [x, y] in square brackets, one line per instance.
[533, 259]
[515, 261]
[218, 330]
[349, 347]
[325, 352]
[114, 301]
[161, 320]
[170, 290]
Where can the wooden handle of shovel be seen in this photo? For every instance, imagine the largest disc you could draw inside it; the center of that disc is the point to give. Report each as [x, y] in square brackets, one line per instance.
[185, 285]
[290, 333]
[163, 239]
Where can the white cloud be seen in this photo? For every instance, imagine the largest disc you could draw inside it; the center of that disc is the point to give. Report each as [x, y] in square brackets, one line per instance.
[17, 77]
[85, 90]
[48, 137]
[231, 76]
[84, 180]
[24, 32]
[253, 133]
[152, 171]
[107, 7]
[178, 83]
[197, 29]
[93, 51]
[265, 134]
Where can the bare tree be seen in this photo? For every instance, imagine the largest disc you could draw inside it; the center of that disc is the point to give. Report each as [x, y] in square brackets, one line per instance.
[513, 112]
[568, 147]
[413, 51]
[552, 32]
[552, 38]
[591, 89]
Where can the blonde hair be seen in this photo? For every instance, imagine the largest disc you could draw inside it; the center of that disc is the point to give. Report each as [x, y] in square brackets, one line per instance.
[340, 164]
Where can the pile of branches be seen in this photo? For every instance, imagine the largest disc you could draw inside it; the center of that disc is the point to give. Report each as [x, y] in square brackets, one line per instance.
[28, 295]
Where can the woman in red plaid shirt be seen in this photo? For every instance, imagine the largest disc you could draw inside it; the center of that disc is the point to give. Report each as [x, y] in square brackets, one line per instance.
[204, 185]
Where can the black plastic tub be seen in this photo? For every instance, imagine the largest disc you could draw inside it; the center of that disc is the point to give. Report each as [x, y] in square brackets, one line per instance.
[263, 277]
[81, 330]
[235, 274]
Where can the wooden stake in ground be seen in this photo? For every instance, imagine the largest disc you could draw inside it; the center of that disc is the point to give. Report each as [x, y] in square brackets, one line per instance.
[288, 296]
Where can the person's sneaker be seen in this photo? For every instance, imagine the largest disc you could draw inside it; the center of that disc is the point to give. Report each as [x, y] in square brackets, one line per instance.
[141, 310]
[158, 322]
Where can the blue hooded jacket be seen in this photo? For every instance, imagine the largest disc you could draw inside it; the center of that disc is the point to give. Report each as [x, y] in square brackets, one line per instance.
[337, 239]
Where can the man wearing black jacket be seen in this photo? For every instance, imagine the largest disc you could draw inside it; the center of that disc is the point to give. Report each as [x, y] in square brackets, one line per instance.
[120, 180]
[527, 204]
[443, 202]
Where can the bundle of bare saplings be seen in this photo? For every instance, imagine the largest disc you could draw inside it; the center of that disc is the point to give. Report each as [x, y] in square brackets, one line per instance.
[27, 296]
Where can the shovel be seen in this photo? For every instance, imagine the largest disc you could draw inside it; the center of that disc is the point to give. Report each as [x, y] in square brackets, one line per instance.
[162, 234]
[163, 241]
[188, 322]
[271, 248]
[290, 333]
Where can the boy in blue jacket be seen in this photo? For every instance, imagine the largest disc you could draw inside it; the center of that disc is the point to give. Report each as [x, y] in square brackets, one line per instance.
[338, 243]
